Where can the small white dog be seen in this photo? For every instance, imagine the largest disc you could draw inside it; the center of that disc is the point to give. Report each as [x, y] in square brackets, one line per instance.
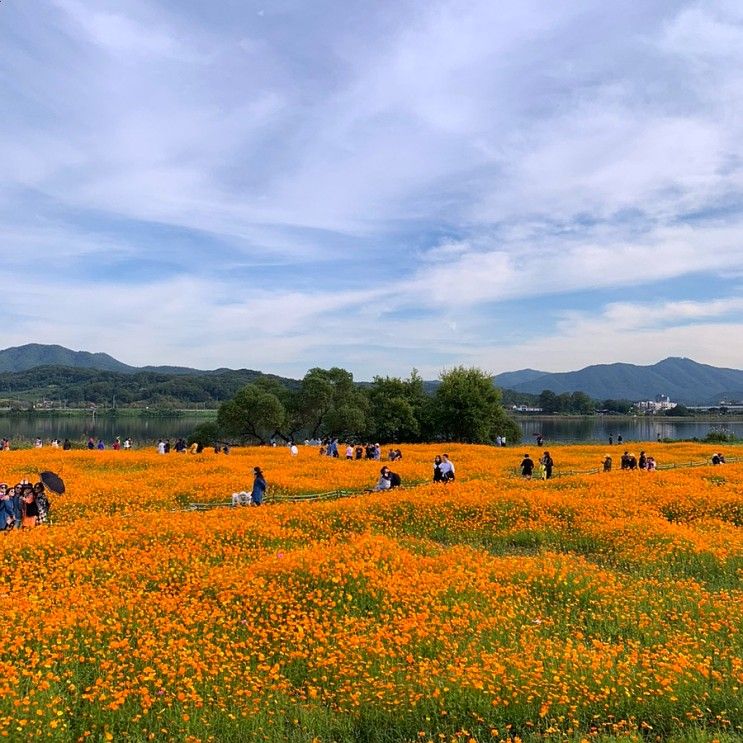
[243, 498]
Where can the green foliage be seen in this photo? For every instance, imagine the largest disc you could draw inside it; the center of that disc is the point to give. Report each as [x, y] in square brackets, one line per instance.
[253, 414]
[467, 407]
[397, 408]
[330, 404]
[206, 434]
[464, 407]
[679, 411]
[511, 397]
[623, 407]
[77, 387]
[720, 437]
[576, 403]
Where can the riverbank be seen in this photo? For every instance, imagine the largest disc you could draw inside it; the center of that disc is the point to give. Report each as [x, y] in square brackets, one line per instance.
[208, 413]
[706, 418]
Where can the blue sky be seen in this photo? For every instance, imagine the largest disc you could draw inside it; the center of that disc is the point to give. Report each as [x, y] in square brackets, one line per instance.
[378, 185]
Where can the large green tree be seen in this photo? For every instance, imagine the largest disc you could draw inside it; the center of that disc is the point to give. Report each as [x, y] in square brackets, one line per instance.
[467, 407]
[254, 413]
[329, 403]
[395, 408]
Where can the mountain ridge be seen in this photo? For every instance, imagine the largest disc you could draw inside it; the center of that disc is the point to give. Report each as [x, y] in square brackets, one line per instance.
[682, 379]
[32, 355]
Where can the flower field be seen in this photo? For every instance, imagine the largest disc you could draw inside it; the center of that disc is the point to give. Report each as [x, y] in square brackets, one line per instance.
[589, 607]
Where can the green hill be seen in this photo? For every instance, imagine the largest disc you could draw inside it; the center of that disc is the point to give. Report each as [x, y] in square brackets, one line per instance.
[683, 380]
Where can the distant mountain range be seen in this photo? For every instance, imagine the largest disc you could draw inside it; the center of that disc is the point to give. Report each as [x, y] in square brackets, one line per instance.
[683, 380]
[23, 358]
[56, 376]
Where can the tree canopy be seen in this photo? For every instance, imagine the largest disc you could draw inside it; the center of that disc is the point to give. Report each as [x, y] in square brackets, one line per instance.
[467, 407]
[328, 403]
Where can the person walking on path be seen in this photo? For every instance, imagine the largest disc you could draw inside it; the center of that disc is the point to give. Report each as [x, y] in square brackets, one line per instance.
[259, 486]
[527, 467]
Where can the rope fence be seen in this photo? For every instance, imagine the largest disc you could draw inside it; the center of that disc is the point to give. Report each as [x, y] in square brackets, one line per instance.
[668, 466]
[338, 494]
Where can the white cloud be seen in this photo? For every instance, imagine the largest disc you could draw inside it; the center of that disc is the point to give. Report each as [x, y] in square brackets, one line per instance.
[639, 333]
[118, 33]
[483, 154]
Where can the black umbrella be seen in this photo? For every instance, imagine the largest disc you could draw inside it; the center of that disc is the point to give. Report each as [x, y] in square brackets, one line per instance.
[53, 481]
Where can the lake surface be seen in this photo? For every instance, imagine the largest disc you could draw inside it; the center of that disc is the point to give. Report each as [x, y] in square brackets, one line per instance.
[565, 430]
[144, 430]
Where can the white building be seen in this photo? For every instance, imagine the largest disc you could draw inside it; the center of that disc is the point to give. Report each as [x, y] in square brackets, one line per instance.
[661, 403]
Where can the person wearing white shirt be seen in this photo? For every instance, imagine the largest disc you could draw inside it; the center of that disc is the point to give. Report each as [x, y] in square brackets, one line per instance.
[447, 468]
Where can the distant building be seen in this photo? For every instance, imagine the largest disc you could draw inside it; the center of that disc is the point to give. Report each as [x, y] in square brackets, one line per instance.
[525, 409]
[660, 404]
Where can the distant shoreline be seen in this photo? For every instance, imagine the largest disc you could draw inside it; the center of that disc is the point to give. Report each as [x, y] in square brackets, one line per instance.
[735, 418]
[109, 412]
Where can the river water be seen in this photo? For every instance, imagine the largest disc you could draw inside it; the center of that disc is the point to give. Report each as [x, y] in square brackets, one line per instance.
[599, 428]
[141, 429]
[146, 430]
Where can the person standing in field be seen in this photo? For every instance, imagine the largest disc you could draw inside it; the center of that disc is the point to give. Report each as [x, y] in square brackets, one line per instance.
[547, 463]
[438, 475]
[259, 486]
[447, 468]
[527, 467]
[29, 507]
[7, 514]
[607, 463]
[42, 503]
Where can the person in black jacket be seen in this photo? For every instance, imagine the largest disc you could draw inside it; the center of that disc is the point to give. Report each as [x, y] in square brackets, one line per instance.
[438, 475]
[527, 467]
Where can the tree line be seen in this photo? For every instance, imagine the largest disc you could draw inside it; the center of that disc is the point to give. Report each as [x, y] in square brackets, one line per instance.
[465, 406]
[73, 387]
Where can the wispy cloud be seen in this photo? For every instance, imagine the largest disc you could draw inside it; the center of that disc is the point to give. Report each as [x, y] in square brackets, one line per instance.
[380, 187]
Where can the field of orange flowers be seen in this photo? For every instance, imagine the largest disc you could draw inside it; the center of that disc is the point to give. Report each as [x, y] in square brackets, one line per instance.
[592, 606]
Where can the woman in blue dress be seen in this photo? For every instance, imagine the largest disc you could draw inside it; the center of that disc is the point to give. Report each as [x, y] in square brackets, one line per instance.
[259, 486]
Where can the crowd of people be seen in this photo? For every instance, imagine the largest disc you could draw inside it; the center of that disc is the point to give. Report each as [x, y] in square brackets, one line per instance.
[23, 506]
[629, 461]
[331, 448]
